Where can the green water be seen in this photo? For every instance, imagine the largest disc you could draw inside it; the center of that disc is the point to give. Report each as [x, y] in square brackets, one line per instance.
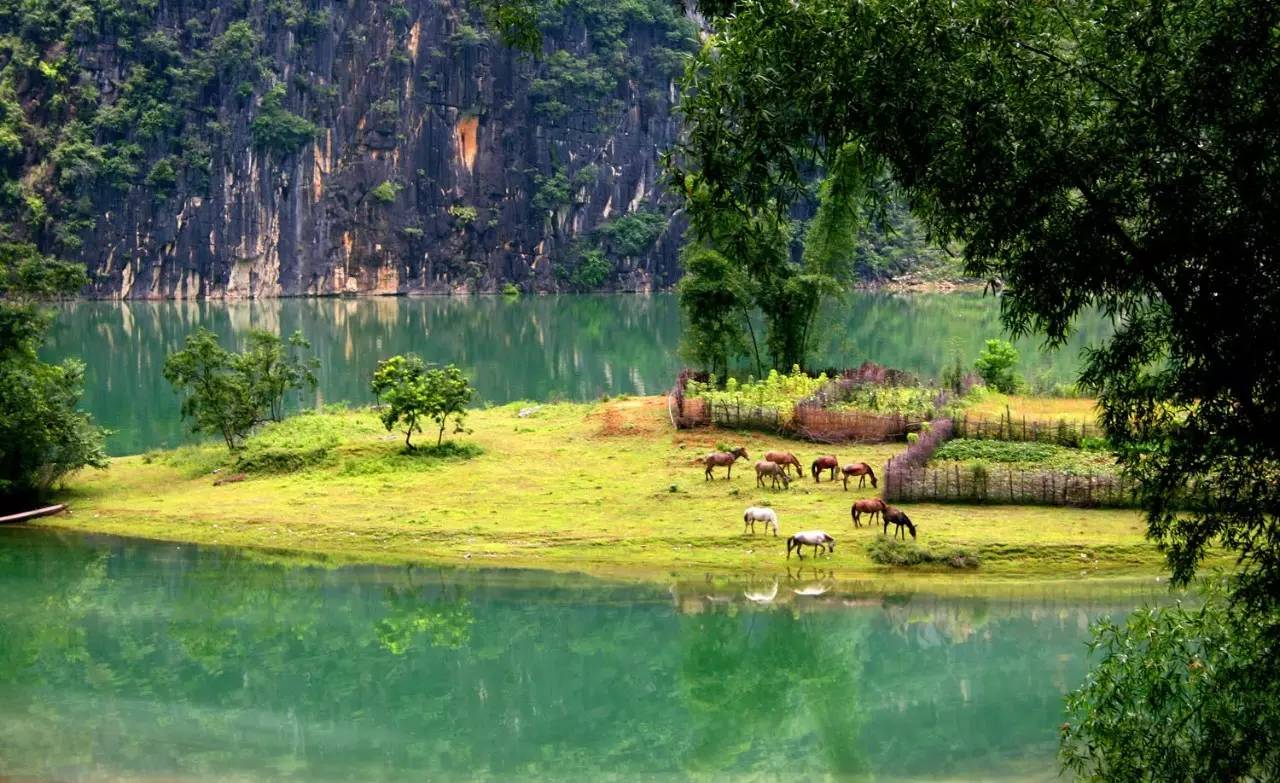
[128, 661]
[539, 348]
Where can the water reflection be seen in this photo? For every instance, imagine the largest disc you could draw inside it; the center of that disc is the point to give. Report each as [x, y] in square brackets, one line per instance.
[542, 348]
[126, 660]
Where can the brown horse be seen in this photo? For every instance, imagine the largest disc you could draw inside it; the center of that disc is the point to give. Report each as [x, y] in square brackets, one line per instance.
[786, 458]
[899, 519]
[862, 470]
[723, 459]
[869, 506]
[825, 462]
[766, 468]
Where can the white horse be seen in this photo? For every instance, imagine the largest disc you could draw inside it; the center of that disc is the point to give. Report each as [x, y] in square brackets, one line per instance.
[756, 514]
[818, 539]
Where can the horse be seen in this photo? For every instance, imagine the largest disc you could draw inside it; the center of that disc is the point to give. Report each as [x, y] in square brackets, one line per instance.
[825, 462]
[899, 520]
[785, 458]
[723, 459]
[869, 506]
[862, 470]
[814, 538]
[774, 470]
[756, 514]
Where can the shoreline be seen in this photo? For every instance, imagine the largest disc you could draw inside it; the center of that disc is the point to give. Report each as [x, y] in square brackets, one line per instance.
[604, 489]
[868, 286]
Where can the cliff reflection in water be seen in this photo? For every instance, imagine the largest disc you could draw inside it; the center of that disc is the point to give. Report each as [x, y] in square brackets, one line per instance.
[536, 348]
[128, 660]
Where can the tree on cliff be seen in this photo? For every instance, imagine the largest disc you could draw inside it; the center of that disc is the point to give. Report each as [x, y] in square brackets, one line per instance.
[1119, 155]
[43, 435]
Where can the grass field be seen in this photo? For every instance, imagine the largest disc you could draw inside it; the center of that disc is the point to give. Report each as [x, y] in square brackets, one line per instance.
[993, 405]
[600, 488]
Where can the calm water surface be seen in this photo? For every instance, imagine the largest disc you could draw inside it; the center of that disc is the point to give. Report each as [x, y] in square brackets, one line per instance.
[129, 661]
[537, 348]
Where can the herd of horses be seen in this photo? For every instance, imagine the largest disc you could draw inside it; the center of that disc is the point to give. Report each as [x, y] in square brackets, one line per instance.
[777, 466]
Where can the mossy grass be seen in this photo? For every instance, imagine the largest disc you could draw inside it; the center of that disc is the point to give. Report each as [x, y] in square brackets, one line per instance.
[575, 487]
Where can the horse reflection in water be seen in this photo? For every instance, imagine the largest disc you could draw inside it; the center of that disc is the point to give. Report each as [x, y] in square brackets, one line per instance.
[762, 596]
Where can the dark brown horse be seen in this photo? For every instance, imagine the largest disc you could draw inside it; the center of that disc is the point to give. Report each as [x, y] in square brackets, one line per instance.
[785, 459]
[899, 520]
[723, 459]
[825, 462]
[779, 473]
[862, 470]
[869, 506]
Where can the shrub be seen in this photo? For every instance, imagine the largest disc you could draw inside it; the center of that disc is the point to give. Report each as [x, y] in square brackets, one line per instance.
[511, 290]
[995, 365]
[886, 550]
[464, 215]
[634, 233]
[277, 128]
[591, 271]
[386, 193]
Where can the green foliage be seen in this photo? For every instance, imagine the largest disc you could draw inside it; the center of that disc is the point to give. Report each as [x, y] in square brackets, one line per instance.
[216, 398]
[776, 391]
[464, 215]
[553, 192]
[273, 367]
[632, 234]
[386, 192]
[591, 270]
[890, 551]
[278, 129]
[511, 290]
[715, 305]
[1026, 454]
[43, 436]
[997, 366]
[913, 401]
[412, 392]
[1179, 693]
[227, 394]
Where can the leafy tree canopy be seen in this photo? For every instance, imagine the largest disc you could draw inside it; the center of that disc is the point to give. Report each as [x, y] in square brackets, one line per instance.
[411, 391]
[43, 435]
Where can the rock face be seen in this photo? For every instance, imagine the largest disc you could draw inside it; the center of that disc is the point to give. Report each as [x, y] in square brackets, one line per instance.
[369, 147]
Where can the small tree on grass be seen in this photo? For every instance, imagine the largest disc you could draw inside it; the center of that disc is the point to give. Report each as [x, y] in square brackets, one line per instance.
[218, 398]
[413, 392]
[996, 365]
[228, 393]
[273, 367]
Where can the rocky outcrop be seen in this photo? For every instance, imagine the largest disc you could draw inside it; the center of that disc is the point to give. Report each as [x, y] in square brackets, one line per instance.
[363, 147]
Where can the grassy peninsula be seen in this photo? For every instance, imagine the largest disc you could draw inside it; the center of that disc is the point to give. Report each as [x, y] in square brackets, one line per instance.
[605, 487]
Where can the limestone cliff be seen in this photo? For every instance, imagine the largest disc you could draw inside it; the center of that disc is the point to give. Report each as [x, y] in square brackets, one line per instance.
[253, 149]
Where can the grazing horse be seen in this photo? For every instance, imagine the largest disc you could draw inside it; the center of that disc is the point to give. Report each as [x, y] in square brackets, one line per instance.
[723, 459]
[862, 470]
[899, 520]
[869, 506]
[825, 462]
[756, 514]
[774, 470]
[814, 538]
[786, 458]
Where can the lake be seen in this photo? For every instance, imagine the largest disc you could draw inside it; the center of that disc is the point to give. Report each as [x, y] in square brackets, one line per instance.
[125, 660]
[536, 348]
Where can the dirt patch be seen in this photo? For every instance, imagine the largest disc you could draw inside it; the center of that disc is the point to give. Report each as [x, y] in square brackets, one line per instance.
[628, 418]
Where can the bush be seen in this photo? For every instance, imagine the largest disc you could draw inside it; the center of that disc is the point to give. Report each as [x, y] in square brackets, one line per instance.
[277, 128]
[886, 550]
[634, 233]
[591, 272]
[1026, 454]
[995, 365]
[386, 193]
